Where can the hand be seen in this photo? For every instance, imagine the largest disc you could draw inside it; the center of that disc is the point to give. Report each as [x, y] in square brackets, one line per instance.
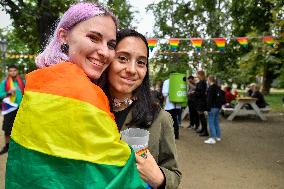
[149, 170]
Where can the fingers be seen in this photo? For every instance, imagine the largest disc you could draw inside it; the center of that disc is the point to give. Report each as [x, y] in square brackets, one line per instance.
[139, 159]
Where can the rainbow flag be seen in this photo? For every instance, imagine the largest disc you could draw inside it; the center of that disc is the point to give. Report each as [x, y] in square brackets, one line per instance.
[64, 136]
[174, 42]
[243, 41]
[196, 43]
[152, 43]
[220, 42]
[268, 40]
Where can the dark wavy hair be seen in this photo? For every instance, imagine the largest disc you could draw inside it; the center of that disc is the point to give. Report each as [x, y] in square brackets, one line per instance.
[144, 110]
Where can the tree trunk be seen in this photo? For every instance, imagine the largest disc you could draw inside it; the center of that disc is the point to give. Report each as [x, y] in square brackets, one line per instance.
[267, 80]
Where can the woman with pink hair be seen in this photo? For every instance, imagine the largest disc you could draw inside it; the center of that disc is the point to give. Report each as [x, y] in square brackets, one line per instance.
[64, 135]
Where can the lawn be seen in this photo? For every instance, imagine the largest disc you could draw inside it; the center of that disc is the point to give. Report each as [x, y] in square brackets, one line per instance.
[274, 99]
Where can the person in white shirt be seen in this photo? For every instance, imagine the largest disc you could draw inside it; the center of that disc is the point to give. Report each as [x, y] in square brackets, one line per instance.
[170, 107]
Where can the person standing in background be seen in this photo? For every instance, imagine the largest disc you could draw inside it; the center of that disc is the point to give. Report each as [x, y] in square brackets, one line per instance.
[12, 90]
[201, 103]
[193, 114]
[213, 111]
[170, 107]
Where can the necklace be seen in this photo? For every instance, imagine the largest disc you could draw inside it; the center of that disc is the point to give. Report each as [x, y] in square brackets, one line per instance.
[117, 103]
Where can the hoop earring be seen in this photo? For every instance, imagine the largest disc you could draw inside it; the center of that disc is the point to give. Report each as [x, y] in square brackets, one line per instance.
[64, 48]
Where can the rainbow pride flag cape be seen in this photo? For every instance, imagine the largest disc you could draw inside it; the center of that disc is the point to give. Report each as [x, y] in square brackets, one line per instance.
[196, 43]
[152, 43]
[243, 41]
[220, 42]
[174, 43]
[268, 40]
[64, 136]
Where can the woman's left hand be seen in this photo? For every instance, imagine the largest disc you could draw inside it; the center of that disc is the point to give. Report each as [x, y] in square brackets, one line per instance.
[149, 170]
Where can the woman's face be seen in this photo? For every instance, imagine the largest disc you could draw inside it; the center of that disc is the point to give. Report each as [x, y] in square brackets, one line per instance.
[92, 44]
[127, 71]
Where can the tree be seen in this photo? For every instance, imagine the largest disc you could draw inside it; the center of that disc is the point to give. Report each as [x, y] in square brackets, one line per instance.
[34, 21]
[122, 9]
[227, 18]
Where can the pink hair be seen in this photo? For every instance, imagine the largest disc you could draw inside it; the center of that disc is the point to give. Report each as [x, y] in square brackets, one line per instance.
[77, 13]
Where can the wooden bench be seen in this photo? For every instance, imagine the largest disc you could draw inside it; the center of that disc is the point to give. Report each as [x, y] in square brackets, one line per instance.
[227, 111]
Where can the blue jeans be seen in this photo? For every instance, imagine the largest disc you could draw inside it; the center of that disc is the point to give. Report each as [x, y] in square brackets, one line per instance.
[213, 119]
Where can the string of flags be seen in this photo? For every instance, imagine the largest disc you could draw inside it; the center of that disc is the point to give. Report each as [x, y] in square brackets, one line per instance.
[220, 42]
[19, 56]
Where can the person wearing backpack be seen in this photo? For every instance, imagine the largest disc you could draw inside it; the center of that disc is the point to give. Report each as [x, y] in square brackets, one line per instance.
[215, 100]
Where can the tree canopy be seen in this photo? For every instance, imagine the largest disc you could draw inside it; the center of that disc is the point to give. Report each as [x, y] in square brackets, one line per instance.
[33, 22]
[229, 19]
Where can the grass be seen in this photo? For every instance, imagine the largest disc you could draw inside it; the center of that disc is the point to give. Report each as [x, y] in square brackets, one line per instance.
[275, 101]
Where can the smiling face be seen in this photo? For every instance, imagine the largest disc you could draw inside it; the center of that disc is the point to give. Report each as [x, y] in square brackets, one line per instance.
[91, 44]
[127, 71]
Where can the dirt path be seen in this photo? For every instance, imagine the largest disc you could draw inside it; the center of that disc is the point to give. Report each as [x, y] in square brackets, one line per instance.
[250, 156]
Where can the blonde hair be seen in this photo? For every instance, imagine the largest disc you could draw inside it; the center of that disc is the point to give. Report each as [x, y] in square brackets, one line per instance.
[201, 74]
[212, 78]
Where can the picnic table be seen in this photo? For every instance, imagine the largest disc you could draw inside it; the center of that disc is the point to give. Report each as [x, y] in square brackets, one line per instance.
[241, 110]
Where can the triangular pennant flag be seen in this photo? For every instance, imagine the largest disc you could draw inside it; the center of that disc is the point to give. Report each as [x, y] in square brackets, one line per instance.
[196, 43]
[268, 40]
[220, 42]
[243, 41]
[174, 42]
[152, 43]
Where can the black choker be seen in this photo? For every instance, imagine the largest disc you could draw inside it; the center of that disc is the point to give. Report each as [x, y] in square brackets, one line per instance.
[117, 103]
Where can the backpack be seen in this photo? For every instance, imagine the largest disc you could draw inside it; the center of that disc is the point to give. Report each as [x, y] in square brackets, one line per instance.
[220, 98]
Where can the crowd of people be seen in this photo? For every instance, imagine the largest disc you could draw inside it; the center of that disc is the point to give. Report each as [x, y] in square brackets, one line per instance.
[202, 98]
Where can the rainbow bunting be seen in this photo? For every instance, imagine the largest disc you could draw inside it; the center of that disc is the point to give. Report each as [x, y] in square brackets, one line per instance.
[220, 42]
[152, 43]
[243, 41]
[174, 42]
[65, 139]
[268, 40]
[196, 43]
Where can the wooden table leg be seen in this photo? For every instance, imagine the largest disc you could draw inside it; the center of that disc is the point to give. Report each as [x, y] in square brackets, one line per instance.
[257, 111]
[236, 110]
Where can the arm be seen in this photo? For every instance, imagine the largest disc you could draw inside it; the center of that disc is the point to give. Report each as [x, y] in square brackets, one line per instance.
[3, 92]
[210, 97]
[167, 159]
[200, 89]
[162, 173]
[165, 89]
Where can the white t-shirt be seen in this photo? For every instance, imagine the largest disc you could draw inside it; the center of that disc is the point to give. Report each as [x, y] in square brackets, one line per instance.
[166, 93]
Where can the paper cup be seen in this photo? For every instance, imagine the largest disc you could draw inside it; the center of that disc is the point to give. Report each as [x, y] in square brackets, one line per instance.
[137, 139]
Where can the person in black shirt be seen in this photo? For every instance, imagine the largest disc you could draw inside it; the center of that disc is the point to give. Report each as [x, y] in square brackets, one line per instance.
[213, 113]
[200, 102]
[260, 102]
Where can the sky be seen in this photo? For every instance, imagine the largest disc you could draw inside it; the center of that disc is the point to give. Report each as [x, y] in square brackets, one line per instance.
[144, 24]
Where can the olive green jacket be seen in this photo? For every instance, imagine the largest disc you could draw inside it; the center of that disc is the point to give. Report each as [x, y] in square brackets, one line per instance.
[162, 146]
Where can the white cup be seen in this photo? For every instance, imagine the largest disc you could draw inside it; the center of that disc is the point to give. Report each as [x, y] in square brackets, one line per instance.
[137, 139]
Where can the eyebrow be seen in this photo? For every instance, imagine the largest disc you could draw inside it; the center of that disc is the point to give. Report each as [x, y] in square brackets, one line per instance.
[128, 54]
[101, 36]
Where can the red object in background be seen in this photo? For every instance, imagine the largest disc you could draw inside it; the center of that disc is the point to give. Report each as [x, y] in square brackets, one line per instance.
[229, 96]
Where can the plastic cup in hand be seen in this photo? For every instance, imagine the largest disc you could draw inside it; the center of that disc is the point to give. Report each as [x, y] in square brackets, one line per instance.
[137, 139]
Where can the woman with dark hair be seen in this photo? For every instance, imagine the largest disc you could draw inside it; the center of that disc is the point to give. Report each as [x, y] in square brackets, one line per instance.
[201, 102]
[64, 135]
[129, 90]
